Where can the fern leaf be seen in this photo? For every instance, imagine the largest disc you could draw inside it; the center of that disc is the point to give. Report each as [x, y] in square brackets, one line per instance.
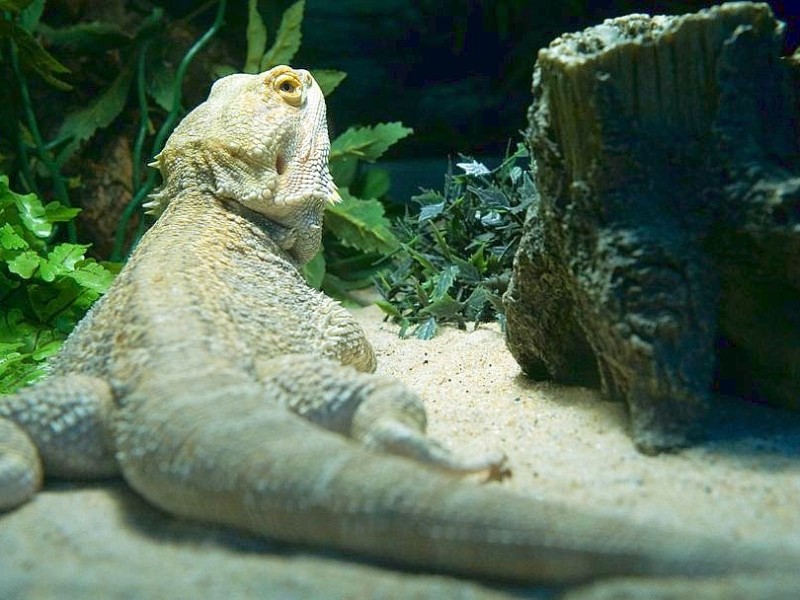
[287, 40]
[256, 38]
[368, 143]
[360, 224]
[328, 79]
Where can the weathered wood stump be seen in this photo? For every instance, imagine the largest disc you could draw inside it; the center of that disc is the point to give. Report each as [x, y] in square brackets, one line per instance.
[662, 259]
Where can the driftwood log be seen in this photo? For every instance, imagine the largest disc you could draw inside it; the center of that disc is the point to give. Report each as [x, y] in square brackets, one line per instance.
[661, 261]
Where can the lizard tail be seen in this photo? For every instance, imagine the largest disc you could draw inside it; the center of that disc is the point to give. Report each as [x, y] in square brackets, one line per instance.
[235, 459]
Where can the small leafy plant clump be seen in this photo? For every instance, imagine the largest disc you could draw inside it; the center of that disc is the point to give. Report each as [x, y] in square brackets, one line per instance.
[456, 253]
[45, 289]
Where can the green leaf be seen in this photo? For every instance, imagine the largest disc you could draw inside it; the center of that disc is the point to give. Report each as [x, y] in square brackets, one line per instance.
[388, 308]
[58, 213]
[14, 5]
[344, 170]
[477, 216]
[341, 289]
[427, 329]
[45, 351]
[355, 268]
[16, 368]
[218, 71]
[8, 353]
[19, 373]
[82, 124]
[90, 38]
[425, 263]
[444, 282]
[428, 197]
[368, 143]
[328, 79]
[473, 168]
[14, 328]
[33, 56]
[256, 38]
[31, 212]
[51, 299]
[314, 270]
[476, 302]
[93, 276]
[442, 308]
[7, 284]
[287, 40]
[160, 82]
[29, 17]
[112, 267]
[61, 260]
[467, 271]
[10, 239]
[24, 264]
[431, 211]
[375, 183]
[360, 224]
[46, 290]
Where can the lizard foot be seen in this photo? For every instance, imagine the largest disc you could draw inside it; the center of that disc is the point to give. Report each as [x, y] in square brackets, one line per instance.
[391, 418]
[379, 413]
[20, 467]
[397, 438]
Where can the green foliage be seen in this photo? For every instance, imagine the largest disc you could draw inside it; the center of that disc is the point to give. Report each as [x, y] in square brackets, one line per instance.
[36, 162]
[103, 109]
[17, 20]
[45, 289]
[287, 41]
[361, 224]
[92, 38]
[256, 38]
[287, 38]
[328, 79]
[367, 143]
[456, 253]
[81, 125]
[358, 236]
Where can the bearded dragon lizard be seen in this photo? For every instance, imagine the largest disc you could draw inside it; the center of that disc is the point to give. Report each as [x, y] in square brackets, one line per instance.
[224, 389]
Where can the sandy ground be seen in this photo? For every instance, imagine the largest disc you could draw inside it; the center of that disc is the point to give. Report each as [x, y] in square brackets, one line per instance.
[566, 444]
[563, 444]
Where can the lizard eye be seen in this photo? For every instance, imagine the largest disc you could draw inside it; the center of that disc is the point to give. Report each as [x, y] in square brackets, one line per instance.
[289, 88]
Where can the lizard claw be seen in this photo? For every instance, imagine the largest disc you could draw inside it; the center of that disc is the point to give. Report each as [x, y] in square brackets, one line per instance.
[498, 469]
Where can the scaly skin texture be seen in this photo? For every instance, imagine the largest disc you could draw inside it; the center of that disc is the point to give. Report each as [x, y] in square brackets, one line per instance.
[223, 389]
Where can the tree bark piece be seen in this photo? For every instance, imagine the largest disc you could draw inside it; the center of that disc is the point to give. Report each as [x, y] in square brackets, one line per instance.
[662, 259]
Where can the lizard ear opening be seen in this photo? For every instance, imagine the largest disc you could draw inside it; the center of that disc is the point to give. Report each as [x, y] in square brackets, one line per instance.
[280, 164]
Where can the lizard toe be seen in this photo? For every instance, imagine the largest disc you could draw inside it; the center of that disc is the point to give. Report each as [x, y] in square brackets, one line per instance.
[20, 467]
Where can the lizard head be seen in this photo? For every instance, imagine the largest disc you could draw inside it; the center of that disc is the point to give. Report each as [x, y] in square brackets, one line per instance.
[260, 140]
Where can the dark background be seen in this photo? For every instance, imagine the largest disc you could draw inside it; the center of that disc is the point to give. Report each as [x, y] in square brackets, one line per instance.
[457, 71]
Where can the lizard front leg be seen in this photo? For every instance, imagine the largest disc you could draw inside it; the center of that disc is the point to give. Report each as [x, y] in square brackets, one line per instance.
[58, 427]
[380, 413]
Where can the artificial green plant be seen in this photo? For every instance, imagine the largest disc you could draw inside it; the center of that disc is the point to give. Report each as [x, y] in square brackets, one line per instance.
[456, 252]
[45, 288]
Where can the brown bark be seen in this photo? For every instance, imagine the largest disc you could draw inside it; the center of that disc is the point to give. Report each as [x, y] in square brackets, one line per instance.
[661, 260]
